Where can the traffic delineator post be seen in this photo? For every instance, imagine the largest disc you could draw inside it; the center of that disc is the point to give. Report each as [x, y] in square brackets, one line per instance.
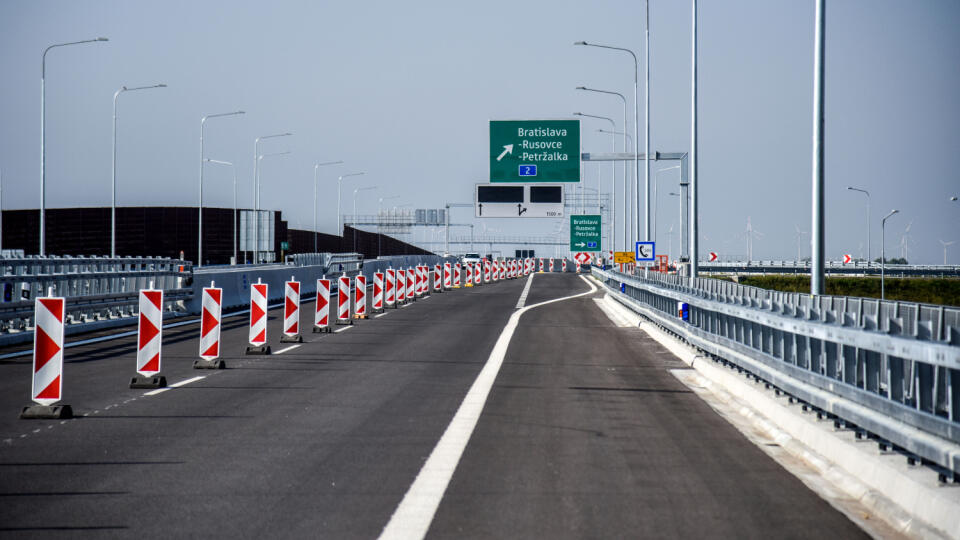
[411, 284]
[149, 340]
[437, 279]
[291, 312]
[446, 276]
[456, 275]
[541, 265]
[401, 286]
[478, 273]
[343, 300]
[421, 280]
[389, 288]
[377, 306]
[563, 265]
[46, 387]
[551, 265]
[360, 297]
[321, 317]
[578, 267]
[467, 275]
[210, 317]
[258, 319]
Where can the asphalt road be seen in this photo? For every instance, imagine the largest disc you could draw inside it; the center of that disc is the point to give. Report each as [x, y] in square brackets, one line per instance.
[584, 435]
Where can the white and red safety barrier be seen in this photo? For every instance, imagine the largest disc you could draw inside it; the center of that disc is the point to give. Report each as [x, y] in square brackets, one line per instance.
[291, 308]
[541, 264]
[467, 275]
[210, 323]
[401, 285]
[343, 300]
[258, 314]
[437, 278]
[446, 276]
[578, 267]
[421, 280]
[487, 276]
[411, 280]
[391, 287]
[377, 291]
[149, 332]
[551, 264]
[563, 265]
[47, 385]
[477, 274]
[456, 275]
[321, 318]
[360, 297]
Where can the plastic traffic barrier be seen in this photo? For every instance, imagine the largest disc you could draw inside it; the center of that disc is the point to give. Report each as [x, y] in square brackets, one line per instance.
[210, 317]
[343, 300]
[258, 319]
[390, 288]
[149, 337]
[321, 316]
[360, 297]
[291, 312]
[401, 286]
[446, 276]
[377, 306]
[437, 279]
[411, 280]
[46, 387]
[456, 275]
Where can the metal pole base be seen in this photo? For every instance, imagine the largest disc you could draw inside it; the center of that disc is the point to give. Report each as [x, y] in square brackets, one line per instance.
[321, 330]
[291, 339]
[153, 381]
[215, 363]
[263, 349]
[47, 412]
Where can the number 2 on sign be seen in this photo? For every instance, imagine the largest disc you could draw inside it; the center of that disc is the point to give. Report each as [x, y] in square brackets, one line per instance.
[528, 170]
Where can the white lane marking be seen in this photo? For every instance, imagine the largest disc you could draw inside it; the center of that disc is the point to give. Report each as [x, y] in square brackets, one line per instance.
[380, 315]
[174, 385]
[290, 348]
[342, 329]
[413, 516]
[526, 291]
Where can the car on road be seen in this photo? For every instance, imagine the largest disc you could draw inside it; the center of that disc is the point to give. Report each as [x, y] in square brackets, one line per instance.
[471, 258]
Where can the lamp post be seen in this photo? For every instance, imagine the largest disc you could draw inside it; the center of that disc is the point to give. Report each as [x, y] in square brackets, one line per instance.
[867, 193]
[380, 220]
[200, 188]
[656, 199]
[613, 174]
[626, 237]
[316, 168]
[257, 197]
[234, 169]
[256, 189]
[339, 189]
[883, 252]
[43, 136]
[355, 191]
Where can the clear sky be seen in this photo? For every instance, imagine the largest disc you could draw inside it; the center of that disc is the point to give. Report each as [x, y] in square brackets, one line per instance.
[404, 91]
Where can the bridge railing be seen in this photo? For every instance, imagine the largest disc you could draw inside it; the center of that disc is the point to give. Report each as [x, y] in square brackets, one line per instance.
[891, 369]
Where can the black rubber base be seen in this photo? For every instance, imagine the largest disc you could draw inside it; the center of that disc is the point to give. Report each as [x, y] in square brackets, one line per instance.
[263, 349]
[216, 363]
[46, 412]
[321, 330]
[154, 381]
[345, 322]
[291, 339]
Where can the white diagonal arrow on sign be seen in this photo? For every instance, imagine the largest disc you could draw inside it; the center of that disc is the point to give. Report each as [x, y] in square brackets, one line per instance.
[507, 149]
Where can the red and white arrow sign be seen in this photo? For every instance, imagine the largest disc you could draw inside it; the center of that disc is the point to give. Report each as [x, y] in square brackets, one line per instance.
[713, 256]
[847, 258]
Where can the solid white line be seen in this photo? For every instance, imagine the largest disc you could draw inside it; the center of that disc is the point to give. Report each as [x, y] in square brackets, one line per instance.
[413, 516]
[290, 348]
[174, 385]
[526, 290]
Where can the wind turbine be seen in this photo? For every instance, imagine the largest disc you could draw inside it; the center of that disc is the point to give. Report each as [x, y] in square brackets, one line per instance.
[905, 240]
[799, 237]
[750, 234]
[945, 244]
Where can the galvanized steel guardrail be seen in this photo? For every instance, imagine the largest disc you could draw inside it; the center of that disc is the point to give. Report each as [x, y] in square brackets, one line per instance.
[831, 267]
[888, 369]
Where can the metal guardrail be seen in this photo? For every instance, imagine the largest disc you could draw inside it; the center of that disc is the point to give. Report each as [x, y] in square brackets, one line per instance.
[831, 267]
[889, 368]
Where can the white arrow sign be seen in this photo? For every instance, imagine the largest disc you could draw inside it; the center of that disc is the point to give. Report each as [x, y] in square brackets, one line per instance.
[581, 244]
[507, 149]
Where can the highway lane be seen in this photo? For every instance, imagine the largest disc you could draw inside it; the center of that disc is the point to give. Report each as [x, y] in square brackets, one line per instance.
[585, 434]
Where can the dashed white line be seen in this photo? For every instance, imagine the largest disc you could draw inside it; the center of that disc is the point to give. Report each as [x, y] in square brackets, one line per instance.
[342, 329]
[174, 385]
[381, 315]
[290, 348]
[526, 291]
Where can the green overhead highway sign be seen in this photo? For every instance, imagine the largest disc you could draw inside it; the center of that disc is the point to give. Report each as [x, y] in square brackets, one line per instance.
[532, 151]
[585, 233]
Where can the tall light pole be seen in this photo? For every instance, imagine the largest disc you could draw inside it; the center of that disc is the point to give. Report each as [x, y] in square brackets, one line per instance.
[694, 201]
[200, 188]
[316, 168]
[257, 246]
[339, 190]
[256, 190]
[355, 191]
[234, 169]
[656, 199]
[626, 237]
[613, 179]
[43, 137]
[113, 173]
[817, 233]
[380, 220]
[883, 252]
[636, 120]
[867, 193]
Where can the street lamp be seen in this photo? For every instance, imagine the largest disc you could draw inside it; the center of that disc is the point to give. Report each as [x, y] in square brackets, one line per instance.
[613, 174]
[43, 136]
[380, 220]
[339, 189]
[256, 189]
[315, 169]
[626, 237]
[883, 252]
[200, 189]
[355, 213]
[867, 193]
[218, 162]
[656, 199]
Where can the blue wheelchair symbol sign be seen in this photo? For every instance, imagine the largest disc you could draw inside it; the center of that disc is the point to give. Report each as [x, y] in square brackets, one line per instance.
[646, 252]
[528, 170]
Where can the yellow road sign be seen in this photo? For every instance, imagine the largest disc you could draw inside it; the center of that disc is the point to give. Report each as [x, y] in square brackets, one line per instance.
[622, 257]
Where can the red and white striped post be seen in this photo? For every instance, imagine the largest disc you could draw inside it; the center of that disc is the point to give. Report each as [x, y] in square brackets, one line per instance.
[47, 384]
[437, 279]
[486, 271]
[446, 276]
[421, 280]
[563, 265]
[258, 319]
[390, 288]
[343, 300]
[411, 278]
[551, 264]
[467, 275]
[377, 292]
[456, 275]
[149, 336]
[321, 317]
[477, 274]
[578, 266]
[360, 297]
[401, 288]
[211, 310]
[291, 312]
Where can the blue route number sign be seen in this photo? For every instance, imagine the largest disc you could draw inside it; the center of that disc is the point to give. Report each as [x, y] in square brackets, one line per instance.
[528, 170]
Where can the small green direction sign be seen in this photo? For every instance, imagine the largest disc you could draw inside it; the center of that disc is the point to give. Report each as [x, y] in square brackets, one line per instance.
[584, 233]
[531, 151]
